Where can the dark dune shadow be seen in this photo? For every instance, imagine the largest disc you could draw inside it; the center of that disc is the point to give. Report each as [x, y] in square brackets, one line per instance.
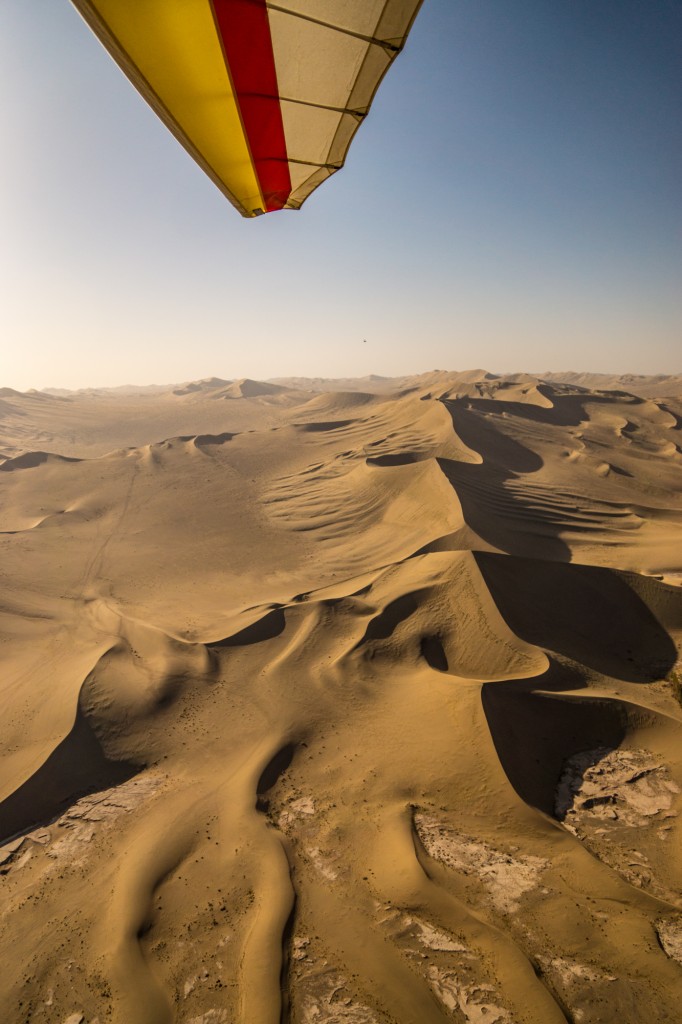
[271, 774]
[29, 460]
[671, 412]
[568, 410]
[202, 440]
[74, 768]
[480, 433]
[397, 459]
[274, 768]
[589, 614]
[433, 652]
[321, 428]
[272, 624]
[494, 511]
[534, 734]
[384, 624]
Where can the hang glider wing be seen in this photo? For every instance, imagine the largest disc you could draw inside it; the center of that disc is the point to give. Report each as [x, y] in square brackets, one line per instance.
[265, 96]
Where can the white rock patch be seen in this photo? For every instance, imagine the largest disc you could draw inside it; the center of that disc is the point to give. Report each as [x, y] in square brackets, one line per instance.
[473, 1001]
[628, 786]
[506, 877]
[670, 935]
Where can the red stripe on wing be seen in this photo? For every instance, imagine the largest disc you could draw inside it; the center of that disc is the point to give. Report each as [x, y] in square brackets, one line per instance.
[245, 32]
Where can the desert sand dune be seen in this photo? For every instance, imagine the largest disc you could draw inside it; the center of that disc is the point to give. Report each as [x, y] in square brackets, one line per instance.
[90, 424]
[341, 705]
[661, 385]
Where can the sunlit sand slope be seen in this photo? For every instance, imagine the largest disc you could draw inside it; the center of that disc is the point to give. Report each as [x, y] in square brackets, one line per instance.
[341, 708]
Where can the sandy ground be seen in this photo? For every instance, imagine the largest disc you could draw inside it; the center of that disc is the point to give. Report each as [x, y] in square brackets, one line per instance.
[325, 705]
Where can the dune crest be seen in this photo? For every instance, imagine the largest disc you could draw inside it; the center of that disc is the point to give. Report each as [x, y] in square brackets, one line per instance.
[354, 703]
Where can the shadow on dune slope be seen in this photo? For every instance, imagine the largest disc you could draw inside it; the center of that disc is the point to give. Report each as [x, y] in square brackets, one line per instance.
[496, 512]
[564, 409]
[77, 766]
[269, 626]
[591, 615]
[497, 449]
[535, 734]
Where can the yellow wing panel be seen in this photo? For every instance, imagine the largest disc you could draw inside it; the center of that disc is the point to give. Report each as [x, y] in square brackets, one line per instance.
[172, 53]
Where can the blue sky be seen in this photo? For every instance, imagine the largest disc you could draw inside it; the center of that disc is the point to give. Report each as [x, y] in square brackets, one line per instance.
[513, 201]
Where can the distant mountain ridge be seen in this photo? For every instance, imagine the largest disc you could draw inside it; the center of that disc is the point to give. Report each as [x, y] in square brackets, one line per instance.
[644, 385]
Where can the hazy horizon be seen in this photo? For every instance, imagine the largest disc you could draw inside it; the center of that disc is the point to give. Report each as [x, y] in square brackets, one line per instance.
[274, 378]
